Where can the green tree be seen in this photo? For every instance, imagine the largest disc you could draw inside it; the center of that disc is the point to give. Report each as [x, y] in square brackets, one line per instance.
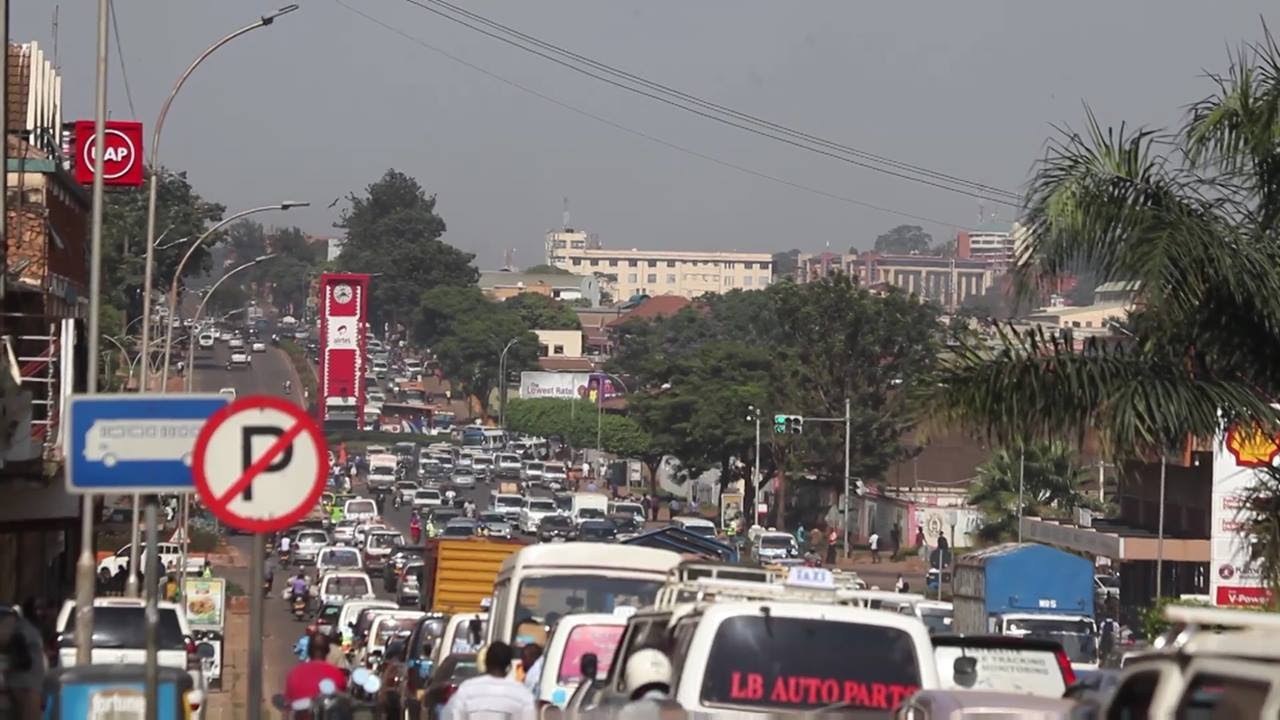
[468, 354]
[1051, 480]
[540, 312]
[247, 239]
[622, 436]
[1189, 215]
[440, 308]
[180, 213]
[392, 230]
[785, 263]
[903, 240]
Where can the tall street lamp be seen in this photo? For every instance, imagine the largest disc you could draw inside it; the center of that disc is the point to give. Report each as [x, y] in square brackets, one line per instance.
[502, 384]
[149, 265]
[195, 319]
[600, 410]
[177, 275]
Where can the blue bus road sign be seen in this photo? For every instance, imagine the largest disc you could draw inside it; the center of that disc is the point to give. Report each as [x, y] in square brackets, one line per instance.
[135, 443]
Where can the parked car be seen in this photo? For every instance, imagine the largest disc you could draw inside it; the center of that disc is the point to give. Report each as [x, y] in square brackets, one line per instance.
[494, 524]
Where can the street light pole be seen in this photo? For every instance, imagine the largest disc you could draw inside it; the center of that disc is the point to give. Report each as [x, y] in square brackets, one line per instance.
[195, 319]
[502, 384]
[1160, 532]
[1022, 473]
[753, 415]
[845, 519]
[149, 264]
[84, 563]
[177, 275]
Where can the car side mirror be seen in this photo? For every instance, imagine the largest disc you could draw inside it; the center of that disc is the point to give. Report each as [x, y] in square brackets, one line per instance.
[589, 666]
[965, 671]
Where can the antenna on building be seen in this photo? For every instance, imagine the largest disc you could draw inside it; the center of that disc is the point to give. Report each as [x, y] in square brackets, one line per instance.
[982, 212]
[55, 38]
[564, 217]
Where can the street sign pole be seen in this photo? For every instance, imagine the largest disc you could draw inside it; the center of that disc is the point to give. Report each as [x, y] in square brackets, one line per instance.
[152, 615]
[256, 572]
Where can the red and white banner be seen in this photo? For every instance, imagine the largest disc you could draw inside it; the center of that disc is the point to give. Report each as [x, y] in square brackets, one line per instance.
[1235, 581]
[343, 313]
[122, 159]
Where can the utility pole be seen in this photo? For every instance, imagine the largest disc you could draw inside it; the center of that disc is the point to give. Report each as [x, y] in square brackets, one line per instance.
[1022, 471]
[1160, 532]
[753, 415]
[845, 519]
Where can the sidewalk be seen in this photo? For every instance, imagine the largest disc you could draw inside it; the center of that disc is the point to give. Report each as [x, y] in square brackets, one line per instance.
[229, 702]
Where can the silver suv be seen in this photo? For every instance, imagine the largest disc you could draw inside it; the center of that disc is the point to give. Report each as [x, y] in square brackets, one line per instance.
[307, 544]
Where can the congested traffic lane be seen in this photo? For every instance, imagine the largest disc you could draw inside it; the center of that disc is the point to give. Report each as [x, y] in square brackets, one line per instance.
[266, 374]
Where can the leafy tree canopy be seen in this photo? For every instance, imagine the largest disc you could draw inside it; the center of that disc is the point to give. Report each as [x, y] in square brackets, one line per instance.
[540, 312]
[1051, 478]
[903, 240]
[575, 422]
[393, 231]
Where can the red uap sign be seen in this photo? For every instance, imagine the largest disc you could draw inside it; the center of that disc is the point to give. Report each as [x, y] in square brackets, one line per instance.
[122, 160]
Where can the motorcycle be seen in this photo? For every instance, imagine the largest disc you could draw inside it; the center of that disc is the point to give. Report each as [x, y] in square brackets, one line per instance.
[266, 588]
[288, 387]
[396, 502]
[299, 607]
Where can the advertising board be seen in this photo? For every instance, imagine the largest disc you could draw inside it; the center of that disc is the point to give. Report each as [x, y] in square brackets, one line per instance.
[1233, 580]
[343, 305]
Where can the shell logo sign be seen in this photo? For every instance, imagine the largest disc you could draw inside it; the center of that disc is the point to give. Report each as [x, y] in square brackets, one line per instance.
[1251, 447]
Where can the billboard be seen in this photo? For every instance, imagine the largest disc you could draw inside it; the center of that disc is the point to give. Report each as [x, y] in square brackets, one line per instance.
[1233, 580]
[343, 306]
[567, 386]
[122, 163]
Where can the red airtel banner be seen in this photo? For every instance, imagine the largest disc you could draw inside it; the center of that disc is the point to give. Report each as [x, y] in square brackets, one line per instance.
[343, 312]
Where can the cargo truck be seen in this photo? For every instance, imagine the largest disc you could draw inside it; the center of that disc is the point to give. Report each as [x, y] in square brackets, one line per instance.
[1027, 590]
[458, 574]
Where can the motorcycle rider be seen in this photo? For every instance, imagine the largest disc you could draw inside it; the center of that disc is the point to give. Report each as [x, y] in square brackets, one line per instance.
[415, 528]
[288, 387]
[303, 681]
[298, 587]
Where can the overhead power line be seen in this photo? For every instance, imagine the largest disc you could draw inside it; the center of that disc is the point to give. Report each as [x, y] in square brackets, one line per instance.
[639, 133]
[698, 106]
[124, 72]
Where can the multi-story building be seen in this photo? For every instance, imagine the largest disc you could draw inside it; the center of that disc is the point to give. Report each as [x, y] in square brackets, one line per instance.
[45, 265]
[997, 242]
[686, 273]
[945, 281]
[558, 242]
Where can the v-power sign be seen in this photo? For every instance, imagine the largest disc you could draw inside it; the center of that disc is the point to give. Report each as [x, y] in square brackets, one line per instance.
[260, 464]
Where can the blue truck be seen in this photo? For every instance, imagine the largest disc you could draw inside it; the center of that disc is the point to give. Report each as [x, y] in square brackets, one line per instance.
[1027, 590]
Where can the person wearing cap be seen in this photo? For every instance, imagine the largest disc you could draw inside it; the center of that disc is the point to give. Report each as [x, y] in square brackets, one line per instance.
[492, 694]
[648, 680]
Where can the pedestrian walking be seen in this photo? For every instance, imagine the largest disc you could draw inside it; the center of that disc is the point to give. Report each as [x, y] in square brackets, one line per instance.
[874, 543]
[895, 537]
[832, 537]
[493, 694]
[922, 545]
[646, 502]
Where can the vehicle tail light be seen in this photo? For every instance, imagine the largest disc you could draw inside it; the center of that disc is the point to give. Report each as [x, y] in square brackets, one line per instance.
[449, 690]
[193, 660]
[1064, 664]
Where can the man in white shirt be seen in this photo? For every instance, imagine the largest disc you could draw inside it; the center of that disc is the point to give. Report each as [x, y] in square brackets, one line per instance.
[492, 695]
[874, 543]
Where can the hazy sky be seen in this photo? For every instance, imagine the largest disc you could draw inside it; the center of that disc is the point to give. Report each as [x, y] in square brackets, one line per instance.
[324, 101]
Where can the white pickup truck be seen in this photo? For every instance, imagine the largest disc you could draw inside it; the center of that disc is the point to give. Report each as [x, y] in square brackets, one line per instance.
[170, 555]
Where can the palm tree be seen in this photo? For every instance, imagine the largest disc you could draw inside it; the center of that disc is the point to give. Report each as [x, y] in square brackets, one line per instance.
[1050, 487]
[1192, 217]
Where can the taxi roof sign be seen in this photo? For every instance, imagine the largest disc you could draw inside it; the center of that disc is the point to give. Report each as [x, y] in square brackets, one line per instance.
[811, 577]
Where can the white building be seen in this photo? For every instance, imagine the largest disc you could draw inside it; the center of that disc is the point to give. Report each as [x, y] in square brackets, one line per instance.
[687, 273]
[1000, 243]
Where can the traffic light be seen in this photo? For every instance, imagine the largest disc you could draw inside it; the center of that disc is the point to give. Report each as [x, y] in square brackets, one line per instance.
[788, 424]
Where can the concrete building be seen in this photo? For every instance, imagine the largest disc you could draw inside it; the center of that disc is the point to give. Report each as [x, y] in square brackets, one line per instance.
[945, 281]
[503, 284]
[999, 243]
[559, 343]
[684, 273]
[559, 242]
[42, 306]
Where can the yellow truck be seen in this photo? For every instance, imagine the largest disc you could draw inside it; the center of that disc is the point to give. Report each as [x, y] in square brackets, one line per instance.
[459, 573]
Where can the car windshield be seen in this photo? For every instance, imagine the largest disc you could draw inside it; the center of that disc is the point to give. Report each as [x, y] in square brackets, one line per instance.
[591, 531]
[509, 501]
[1033, 671]
[464, 670]
[1075, 636]
[427, 494]
[384, 541]
[313, 536]
[791, 664]
[125, 628]
[628, 508]
[458, 531]
[361, 507]
[542, 505]
[546, 599]
[329, 614]
[1108, 581]
[339, 558]
[937, 620]
[700, 529]
[590, 513]
[534, 467]
[564, 502]
[407, 485]
[557, 521]
[347, 587]
[442, 517]
[388, 629]
[492, 517]
[775, 542]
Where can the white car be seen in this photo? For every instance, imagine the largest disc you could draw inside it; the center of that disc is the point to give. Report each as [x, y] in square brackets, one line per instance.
[360, 509]
[258, 346]
[405, 490]
[345, 531]
[229, 392]
[239, 358]
[379, 369]
[463, 477]
[236, 343]
[375, 396]
[118, 631]
[554, 476]
[427, 497]
[337, 587]
[532, 512]
[206, 340]
[337, 558]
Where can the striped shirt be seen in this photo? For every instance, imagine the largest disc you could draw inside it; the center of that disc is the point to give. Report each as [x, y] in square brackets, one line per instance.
[486, 697]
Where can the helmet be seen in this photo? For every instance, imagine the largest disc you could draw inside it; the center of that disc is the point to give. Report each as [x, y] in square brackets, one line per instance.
[647, 667]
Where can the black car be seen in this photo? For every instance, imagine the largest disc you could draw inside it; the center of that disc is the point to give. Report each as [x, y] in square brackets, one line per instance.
[556, 526]
[597, 531]
[445, 680]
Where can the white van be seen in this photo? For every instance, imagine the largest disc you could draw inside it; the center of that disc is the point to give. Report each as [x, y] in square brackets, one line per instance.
[575, 636]
[696, 525]
[588, 506]
[382, 471]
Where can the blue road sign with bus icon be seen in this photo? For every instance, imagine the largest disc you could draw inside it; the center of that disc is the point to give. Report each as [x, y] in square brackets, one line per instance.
[134, 443]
